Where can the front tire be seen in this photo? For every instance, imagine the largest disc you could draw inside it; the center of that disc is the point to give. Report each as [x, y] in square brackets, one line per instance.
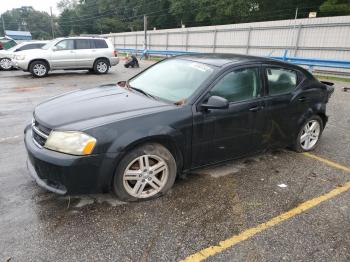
[5, 64]
[101, 66]
[39, 69]
[145, 172]
[309, 135]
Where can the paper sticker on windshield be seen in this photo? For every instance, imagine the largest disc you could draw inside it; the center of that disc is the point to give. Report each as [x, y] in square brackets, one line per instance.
[201, 67]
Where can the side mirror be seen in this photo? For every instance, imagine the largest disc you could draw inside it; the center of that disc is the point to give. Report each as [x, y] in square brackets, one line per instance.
[54, 48]
[216, 102]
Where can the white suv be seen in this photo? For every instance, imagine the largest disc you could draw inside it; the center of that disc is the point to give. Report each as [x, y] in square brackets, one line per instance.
[72, 53]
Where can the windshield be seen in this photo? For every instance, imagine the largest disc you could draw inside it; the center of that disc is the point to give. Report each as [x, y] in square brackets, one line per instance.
[173, 79]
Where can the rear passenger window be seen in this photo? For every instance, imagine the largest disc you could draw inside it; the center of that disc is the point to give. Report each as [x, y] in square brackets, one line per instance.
[99, 43]
[281, 80]
[83, 44]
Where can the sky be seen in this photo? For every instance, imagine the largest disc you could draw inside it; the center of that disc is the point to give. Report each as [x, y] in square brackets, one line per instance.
[40, 5]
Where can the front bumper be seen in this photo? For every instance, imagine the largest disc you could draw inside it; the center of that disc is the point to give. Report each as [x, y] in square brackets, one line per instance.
[67, 174]
[21, 64]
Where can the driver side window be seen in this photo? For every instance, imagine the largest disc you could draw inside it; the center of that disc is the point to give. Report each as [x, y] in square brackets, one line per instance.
[65, 45]
[240, 85]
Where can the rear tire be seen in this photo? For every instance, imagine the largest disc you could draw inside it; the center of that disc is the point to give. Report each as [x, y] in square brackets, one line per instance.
[5, 64]
[101, 66]
[144, 173]
[39, 69]
[309, 135]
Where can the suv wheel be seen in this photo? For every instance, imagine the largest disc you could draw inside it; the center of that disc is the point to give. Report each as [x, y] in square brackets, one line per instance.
[145, 173]
[39, 68]
[5, 63]
[101, 66]
[309, 135]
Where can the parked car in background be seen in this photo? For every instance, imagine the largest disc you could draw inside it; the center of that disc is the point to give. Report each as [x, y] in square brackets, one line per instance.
[72, 53]
[6, 56]
[7, 43]
[180, 114]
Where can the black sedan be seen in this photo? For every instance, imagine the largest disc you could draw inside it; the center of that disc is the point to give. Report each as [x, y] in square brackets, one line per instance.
[180, 114]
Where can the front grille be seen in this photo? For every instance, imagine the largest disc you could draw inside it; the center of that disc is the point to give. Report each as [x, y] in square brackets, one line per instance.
[40, 133]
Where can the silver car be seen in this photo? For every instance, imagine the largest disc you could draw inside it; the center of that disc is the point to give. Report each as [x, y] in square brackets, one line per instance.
[7, 55]
[72, 53]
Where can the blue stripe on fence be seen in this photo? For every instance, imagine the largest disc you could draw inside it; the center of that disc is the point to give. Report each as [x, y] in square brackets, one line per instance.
[310, 62]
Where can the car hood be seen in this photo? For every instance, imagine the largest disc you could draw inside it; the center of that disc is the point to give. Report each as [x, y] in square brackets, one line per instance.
[105, 103]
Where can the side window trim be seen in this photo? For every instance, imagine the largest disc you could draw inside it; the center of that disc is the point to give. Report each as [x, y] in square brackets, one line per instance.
[266, 82]
[201, 99]
[233, 69]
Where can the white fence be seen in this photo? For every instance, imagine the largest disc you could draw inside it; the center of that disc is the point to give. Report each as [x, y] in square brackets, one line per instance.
[327, 38]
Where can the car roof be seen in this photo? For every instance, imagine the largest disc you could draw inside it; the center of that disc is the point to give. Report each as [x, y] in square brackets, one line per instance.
[222, 59]
[80, 37]
[36, 42]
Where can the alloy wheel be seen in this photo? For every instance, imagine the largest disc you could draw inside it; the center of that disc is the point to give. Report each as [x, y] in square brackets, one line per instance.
[102, 67]
[310, 134]
[39, 69]
[5, 63]
[145, 176]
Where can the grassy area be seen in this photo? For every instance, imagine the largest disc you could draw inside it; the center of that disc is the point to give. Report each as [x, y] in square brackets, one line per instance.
[152, 58]
[333, 78]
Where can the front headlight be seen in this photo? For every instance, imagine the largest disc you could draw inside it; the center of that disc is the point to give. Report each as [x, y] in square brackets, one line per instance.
[70, 142]
[20, 57]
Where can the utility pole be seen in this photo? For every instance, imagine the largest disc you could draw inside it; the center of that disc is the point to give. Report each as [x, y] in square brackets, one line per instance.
[145, 32]
[294, 27]
[296, 14]
[52, 29]
[3, 23]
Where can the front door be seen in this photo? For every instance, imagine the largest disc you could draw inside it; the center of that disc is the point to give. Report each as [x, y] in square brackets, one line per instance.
[63, 55]
[223, 134]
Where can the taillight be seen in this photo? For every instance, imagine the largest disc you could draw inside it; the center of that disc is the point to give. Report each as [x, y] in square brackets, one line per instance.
[115, 52]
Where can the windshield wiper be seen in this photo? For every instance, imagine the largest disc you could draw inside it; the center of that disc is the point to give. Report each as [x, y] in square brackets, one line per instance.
[141, 91]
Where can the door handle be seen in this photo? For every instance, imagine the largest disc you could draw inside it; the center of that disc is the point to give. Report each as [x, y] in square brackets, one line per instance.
[256, 108]
[302, 99]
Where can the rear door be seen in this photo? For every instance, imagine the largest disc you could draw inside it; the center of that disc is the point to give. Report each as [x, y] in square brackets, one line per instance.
[286, 102]
[63, 57]
[85, 53]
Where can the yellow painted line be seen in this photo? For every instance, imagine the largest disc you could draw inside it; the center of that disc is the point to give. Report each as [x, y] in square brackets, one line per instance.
[230, 242]
[328, 162]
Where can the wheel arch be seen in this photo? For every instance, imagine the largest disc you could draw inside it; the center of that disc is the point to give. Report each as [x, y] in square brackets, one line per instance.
[165, 140]
[38, 59]
[324, 118]
[318, 109]
[104, 58]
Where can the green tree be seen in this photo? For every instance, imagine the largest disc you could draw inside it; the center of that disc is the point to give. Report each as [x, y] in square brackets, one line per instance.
[336, 7]
[28, 19]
